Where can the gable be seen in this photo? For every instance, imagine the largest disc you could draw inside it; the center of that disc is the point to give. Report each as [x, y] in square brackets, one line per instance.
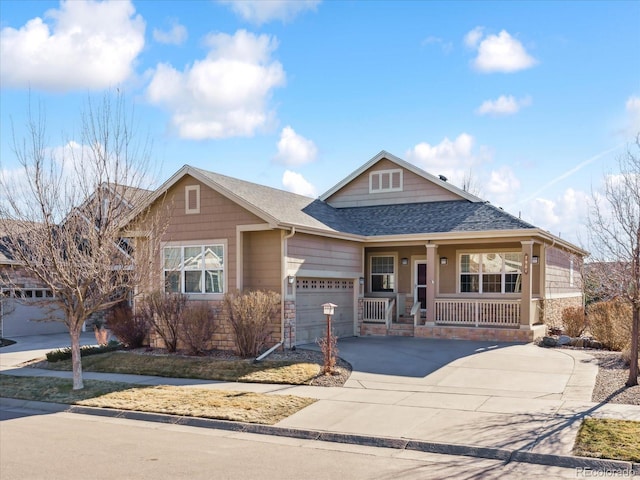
[388, 183]
[199, 212]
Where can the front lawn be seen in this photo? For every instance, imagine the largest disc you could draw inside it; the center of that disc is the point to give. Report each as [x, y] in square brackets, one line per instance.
[202, 368]
[186, 401]
[606, 438]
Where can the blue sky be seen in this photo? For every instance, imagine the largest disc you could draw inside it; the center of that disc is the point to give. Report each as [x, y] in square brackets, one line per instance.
[535, 99]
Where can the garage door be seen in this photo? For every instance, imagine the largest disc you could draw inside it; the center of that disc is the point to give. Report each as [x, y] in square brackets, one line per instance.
[27, 316]
[311, 293]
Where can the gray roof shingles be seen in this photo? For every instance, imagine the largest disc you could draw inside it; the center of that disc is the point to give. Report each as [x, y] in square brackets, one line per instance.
[402, 219]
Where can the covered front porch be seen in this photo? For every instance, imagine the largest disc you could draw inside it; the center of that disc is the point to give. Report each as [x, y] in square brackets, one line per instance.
[480, 291]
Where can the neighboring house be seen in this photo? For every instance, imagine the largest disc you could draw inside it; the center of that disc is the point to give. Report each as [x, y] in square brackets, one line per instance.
[399, 251]
[25, 303]
[27, 306]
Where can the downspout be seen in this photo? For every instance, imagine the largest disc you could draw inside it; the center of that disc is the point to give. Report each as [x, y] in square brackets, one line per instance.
[282, 269]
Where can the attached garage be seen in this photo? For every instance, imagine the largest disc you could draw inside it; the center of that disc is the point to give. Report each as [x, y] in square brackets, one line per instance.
[30, 315]
[311, 293]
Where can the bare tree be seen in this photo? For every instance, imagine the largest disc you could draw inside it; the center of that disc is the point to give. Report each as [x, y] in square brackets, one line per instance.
[62, 215]
[614, 229]
[471, 184]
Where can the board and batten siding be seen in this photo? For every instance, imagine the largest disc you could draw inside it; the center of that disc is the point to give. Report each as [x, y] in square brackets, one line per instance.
[311, 253]
[261, 260]
[415, 189]
[217, 220]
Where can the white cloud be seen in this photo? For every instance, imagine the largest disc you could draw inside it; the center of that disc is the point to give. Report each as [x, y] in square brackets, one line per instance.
[296, 183]
[85, 45]
[498, 53]
[564, 216]
[224, 94]
[264, 11]
[503, 105]
[294, 149]
[472, 38]
[502, 186]
[176, 36]
[451, 158]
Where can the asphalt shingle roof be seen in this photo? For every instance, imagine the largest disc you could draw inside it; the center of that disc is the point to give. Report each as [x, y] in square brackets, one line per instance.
[402, 219]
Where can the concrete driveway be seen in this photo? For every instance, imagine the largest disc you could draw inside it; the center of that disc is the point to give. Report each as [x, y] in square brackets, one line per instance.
[36, 346]
[467, 367]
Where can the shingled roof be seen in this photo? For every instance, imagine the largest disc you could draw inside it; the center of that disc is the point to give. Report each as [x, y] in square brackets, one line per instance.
[287, 208]
[414, 218]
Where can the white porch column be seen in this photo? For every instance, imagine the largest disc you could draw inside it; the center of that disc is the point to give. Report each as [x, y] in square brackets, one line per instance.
[432, 250]
[527, 277]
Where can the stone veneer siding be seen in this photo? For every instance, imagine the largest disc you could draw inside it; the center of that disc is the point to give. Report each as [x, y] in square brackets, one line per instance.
[553, 307]
[289, 323]
[223, 337]
[463, 333]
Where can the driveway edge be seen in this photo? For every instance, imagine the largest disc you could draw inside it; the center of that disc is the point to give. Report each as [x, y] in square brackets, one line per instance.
[506, 455]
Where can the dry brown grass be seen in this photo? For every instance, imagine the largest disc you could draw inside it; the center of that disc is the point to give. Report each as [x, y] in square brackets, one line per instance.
[606, 438]
[203, 368]
[198, 402]
[186, 401]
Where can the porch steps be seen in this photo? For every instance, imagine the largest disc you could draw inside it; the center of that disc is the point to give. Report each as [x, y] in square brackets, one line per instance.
[401, 329]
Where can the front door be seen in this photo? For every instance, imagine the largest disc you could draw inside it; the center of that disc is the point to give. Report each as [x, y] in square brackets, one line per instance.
[420, 292]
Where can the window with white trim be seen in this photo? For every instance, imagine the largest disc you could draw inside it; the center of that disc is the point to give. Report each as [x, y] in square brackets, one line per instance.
[491, 272]
[383, 181]
[383, 277]
[194, 269]
[192, 199]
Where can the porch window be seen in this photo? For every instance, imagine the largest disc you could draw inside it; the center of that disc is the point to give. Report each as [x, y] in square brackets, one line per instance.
[194, 269]
[491, 272]
[383, 274]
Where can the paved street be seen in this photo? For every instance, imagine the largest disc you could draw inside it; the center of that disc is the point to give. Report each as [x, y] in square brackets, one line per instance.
[491, 401]
[71, 446]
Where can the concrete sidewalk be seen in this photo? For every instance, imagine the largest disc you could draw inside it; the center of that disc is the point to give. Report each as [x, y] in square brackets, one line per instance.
[521, 398]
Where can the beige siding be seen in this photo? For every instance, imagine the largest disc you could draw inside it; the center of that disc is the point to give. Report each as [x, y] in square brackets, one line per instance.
[558, 273]
[415, 189]
[217, 220]
[313, 253]
[261, 260]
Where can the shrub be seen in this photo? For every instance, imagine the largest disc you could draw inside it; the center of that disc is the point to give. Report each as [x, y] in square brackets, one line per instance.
[85, 350]
[329, 348]
[610, 324]
[574, 321]
[132, 330]
[197, 327]
[625, 355]
[250, 314]
[163, 312]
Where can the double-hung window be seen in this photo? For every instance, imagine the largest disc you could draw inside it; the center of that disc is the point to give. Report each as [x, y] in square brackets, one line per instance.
[383, 277]
[194, 269]
[491, 272]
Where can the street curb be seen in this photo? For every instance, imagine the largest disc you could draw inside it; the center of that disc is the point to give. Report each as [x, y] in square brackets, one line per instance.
[506, 455]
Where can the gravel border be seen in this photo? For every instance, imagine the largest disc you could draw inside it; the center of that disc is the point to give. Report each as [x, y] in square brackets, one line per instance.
[610, 382]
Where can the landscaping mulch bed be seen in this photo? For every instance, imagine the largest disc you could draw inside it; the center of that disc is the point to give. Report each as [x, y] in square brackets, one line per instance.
[611, 379]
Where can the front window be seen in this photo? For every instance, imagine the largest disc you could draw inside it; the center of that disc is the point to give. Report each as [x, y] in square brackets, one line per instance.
[194, 269]
[383, 274]
[491, 273]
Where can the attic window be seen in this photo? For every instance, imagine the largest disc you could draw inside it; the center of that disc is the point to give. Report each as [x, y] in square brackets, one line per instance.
[192, 199]
[383, 181]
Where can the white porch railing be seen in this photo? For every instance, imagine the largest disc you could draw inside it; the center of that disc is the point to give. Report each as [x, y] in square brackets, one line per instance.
[479, 313]
[378, 310]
